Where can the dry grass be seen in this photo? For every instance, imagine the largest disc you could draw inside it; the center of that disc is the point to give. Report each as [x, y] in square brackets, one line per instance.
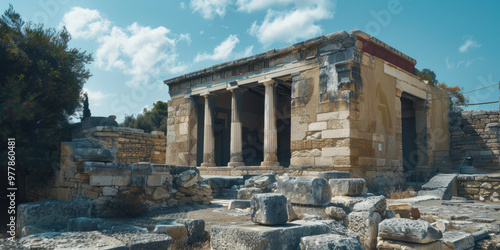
[400, 193]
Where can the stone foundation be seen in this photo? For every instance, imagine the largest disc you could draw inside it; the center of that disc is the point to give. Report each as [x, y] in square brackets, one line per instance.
[480, 187]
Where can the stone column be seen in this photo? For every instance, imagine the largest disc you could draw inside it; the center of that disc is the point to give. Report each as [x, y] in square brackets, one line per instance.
[270, 131]
[236, 138]
[208, 133]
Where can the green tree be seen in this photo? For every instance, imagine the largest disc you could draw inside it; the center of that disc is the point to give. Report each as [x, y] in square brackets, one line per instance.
[149, 120]
[41, 79]
[86, 109]
[453, 91]
[429, 76]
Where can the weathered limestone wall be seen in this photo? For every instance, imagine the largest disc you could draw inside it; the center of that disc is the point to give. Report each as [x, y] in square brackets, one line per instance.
[480, 187]
[129, 145]
[182, 132]
[376, 152]
[90, 171]
[476, 131]
[321, 110]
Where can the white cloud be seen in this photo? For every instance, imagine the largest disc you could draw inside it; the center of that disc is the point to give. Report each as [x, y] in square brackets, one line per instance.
[453, 65]
[139, 51]
[143, 52]
[469, 43]
[210, 8]
[84, 23]
[246, 53]
[222, 51]
[95, 97]
[289, 26]
[185, 37]
[183, 5]
[254, 5]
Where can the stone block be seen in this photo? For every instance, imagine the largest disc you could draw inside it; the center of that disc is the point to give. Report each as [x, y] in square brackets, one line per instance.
[83, 224]
[480, 235]
[336, 213]
[51, 214]
[443, 186]
[305, 190]
[365, 224]
[158, 180]
[347, 202]
[187, 178]
[416, 231]
[160, 194]
[336, 151]
[261, 182]
[386, 244]
[375, 203]
[93, 154]
[291, 212]
[31, 230]
[336, 115]
[195, 229]
[317, 126]
[111, 168]
[68, 240]
[269, 209]
[388, 214]
[241, 204]
[334, 175]
[458, 240]
[336, 133]
[400, 206]
[137, 180]
[347, 186]
[143, 241]
[109, 191]
[247, 193]
[108, 180]
[300, 161]
[329, 241]
[172, 228]
[442, 225]
[247, 235]
[340, 228]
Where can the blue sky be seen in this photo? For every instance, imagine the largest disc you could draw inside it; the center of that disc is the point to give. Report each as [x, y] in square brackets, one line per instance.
[138, 45]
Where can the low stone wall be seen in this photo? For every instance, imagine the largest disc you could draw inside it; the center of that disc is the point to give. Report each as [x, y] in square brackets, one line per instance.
[89, 170]
[129, 145]
[477, 131]
[480, 187]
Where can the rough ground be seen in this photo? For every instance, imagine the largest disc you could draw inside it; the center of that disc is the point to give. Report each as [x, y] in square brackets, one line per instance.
[468, 217]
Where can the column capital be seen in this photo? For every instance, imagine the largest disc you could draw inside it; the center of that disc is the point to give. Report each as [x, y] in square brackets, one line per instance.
[268, 82]
[208, 95]
[237, 90]
[398, 92]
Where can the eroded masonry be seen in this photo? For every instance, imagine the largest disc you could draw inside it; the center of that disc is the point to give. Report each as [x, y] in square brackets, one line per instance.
[344, 101]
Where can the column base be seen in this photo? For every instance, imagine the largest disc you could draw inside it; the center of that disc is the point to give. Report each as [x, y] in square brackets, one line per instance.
[207, 165]
[235, 164]
[269, 163]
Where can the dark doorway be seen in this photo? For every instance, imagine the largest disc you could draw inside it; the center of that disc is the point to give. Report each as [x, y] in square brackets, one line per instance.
[409, 133]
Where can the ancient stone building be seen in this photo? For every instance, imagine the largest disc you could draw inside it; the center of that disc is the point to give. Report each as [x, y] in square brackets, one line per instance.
[343, 101]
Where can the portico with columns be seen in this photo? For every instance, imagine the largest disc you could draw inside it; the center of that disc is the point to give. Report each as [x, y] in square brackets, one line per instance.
[329, 103]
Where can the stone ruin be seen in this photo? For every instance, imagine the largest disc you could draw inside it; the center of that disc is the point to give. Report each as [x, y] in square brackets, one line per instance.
[90, 171]
[330, 211]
